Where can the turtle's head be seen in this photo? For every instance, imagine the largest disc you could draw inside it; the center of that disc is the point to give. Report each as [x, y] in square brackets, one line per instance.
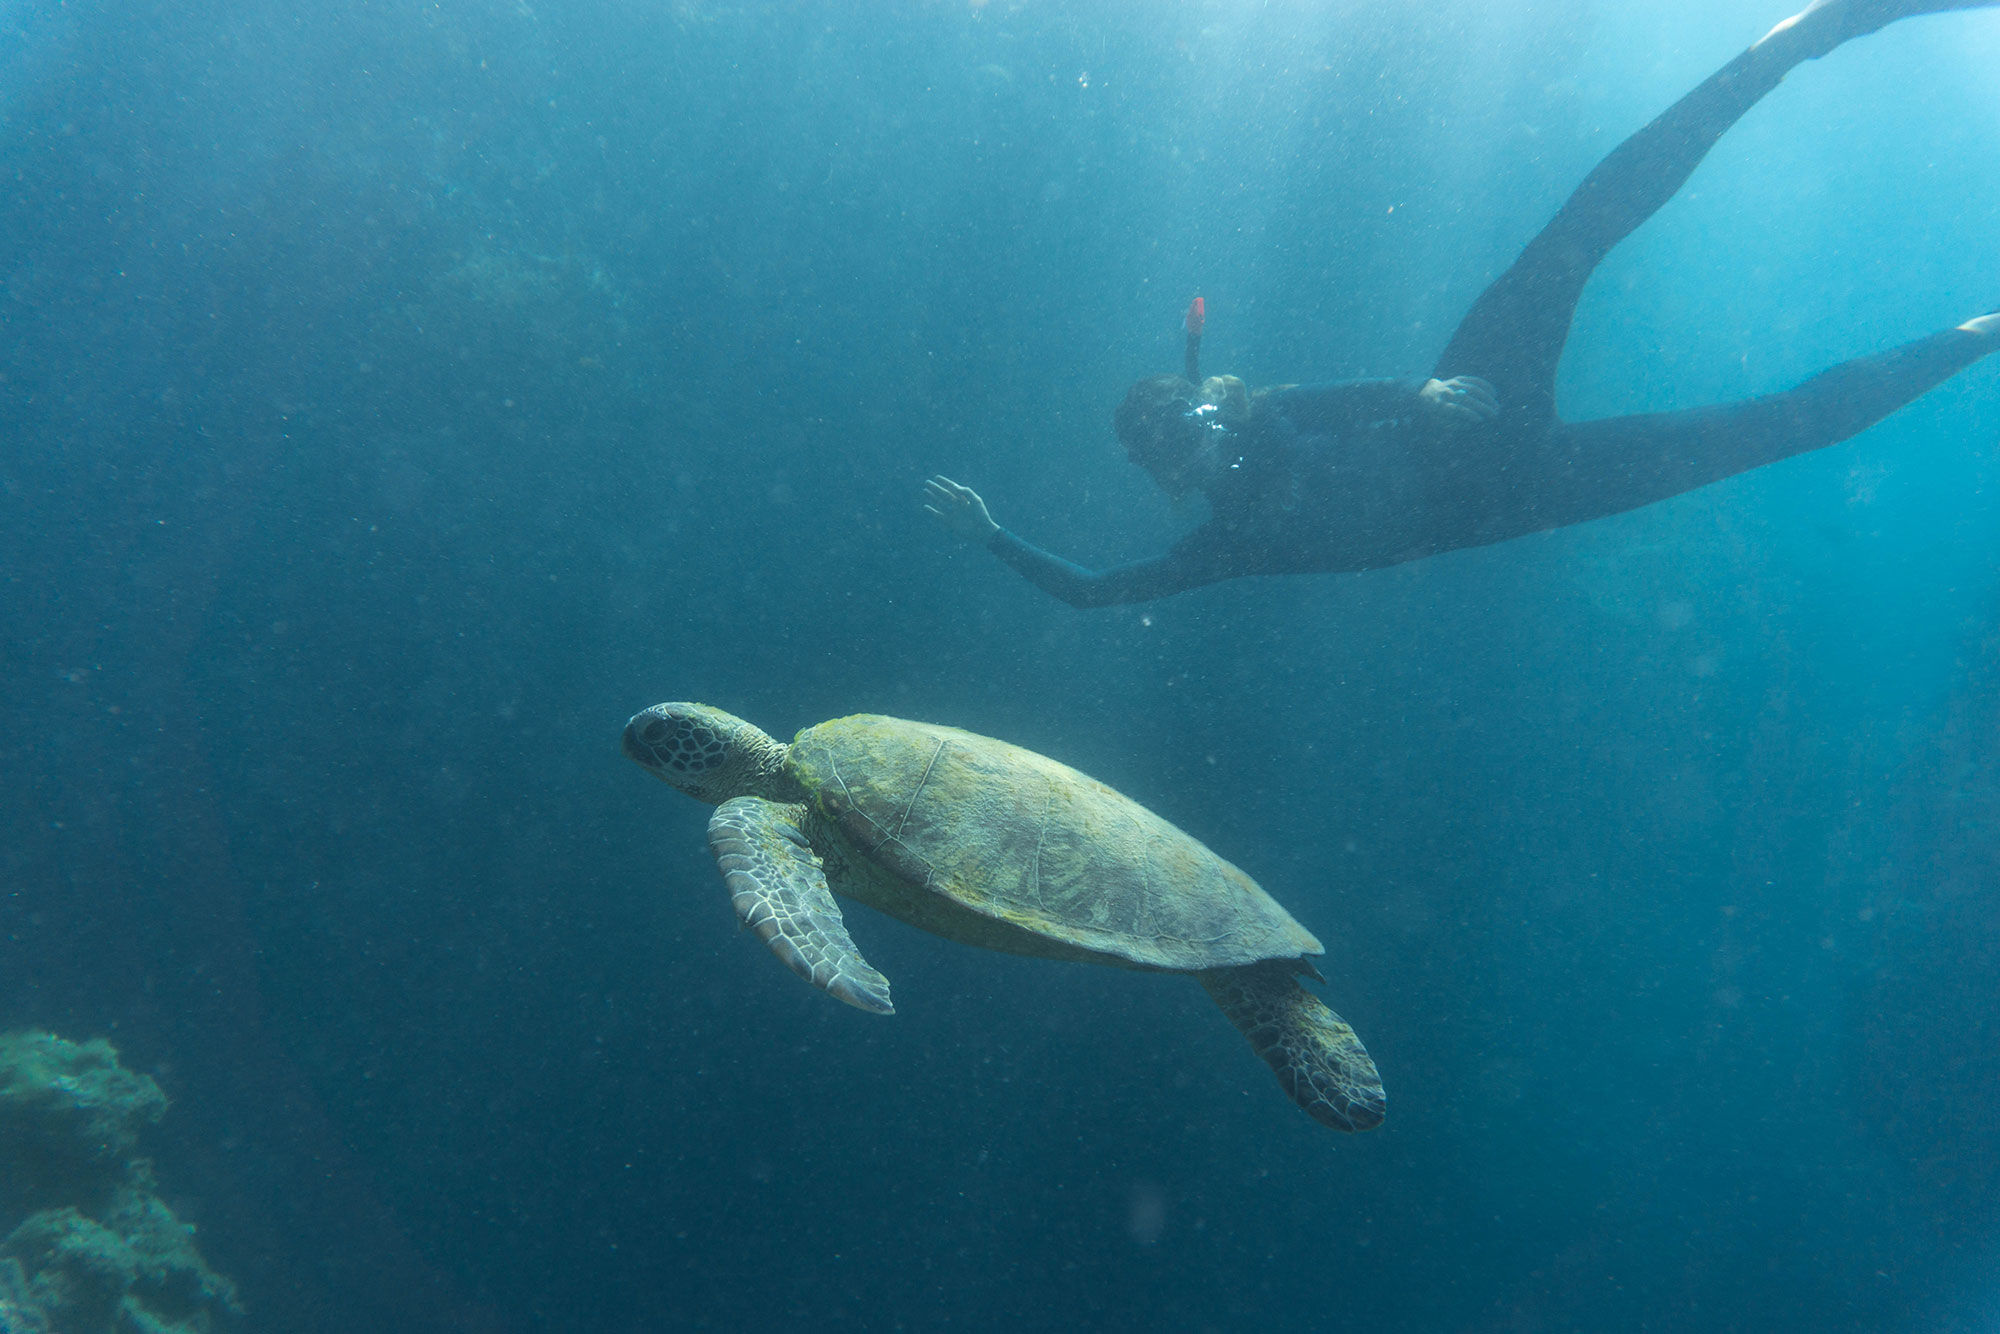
[706, 753]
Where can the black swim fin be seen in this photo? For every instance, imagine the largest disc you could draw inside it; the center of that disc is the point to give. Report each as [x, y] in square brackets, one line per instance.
[1866, 16]
[1832, 22]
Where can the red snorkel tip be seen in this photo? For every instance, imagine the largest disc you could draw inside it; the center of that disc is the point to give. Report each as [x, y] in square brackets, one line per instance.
[1197, 312]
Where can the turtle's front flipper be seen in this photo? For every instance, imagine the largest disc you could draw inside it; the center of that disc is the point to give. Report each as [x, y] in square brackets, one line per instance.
[778, 889]
[1319, 1061]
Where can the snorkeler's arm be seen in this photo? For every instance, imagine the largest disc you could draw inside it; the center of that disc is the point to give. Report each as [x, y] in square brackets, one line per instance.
[1353, 404]
[1350, 404]
[1463, 400]
[960, 509]
[1137, 581]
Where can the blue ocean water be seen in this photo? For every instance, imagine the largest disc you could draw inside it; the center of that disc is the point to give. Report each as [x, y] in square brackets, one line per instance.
[397, 396]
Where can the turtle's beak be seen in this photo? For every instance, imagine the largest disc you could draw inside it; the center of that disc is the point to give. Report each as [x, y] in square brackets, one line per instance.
[634, 741]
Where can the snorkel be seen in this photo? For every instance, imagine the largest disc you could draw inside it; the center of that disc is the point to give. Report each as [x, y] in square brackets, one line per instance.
[1183, 430]
[1197, 314]
[1215, 426]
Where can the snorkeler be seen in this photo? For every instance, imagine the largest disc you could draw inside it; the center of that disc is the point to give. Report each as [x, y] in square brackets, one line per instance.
[1365, 474]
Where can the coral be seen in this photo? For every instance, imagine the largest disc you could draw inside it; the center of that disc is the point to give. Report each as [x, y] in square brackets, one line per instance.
[173, 1280]
[75, 1265]
[70, 1118]
[18, 1312]
[100, 1253]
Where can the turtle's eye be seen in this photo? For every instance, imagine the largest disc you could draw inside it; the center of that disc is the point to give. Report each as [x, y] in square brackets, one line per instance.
[652, 732]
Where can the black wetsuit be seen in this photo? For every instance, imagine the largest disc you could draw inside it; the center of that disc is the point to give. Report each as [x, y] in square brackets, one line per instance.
[1355, 476]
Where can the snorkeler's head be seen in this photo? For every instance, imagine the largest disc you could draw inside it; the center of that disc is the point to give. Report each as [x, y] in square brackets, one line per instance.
[1179, 433]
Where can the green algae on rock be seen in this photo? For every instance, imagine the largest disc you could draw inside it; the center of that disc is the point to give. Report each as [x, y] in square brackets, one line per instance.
[70, 1120]
[98, 1251]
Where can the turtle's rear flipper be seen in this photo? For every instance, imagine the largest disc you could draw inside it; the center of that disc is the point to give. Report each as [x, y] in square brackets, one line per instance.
[779, 891]
[1318, 1060]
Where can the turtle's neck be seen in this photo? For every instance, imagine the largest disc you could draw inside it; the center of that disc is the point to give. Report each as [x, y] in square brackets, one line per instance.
[764, 773]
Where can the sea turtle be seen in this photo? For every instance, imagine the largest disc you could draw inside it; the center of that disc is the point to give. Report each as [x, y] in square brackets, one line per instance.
[989, 844]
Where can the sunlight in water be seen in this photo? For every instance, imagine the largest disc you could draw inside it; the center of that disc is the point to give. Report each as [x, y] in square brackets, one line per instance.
[1976, 49]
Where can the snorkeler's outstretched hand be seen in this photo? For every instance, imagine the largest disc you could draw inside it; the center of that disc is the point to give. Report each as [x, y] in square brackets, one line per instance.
[959, 509]
[1463, 400]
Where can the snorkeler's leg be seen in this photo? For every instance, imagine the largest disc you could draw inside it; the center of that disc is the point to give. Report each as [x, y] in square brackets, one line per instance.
[1590, 469]
[1513, 336]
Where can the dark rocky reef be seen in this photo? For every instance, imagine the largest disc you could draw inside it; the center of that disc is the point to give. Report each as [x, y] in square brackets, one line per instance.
[95, 1250]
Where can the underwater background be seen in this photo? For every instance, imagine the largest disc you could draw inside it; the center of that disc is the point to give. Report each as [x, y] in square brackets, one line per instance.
[396, 396]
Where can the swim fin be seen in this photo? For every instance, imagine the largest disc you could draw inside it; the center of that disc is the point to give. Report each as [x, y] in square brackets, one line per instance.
[1832, 22]
[1987, 325]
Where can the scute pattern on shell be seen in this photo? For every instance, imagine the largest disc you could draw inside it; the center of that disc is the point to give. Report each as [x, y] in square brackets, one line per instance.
[1022, 839]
